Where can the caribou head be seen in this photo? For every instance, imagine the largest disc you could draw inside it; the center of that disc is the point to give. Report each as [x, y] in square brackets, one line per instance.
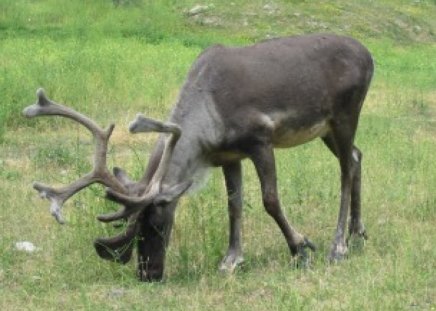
[145, 202]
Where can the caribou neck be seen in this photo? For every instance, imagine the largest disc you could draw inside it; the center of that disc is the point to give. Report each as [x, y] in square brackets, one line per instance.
[202, 131]
[186, 161]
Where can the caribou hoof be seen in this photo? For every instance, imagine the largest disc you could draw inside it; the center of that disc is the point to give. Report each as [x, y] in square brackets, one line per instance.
[360, 235]
[149, 276]
[356, 241]
[302, 256]
[357, 229]
[230, 262]
[338, 253]
[357, 236]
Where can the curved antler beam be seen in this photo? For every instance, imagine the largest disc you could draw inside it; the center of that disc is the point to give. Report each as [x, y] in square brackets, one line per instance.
[118, 248]
[99, 173]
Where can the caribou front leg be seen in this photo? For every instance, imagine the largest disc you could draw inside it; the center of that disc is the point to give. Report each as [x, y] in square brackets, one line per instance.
[233, 178]
[264, 162]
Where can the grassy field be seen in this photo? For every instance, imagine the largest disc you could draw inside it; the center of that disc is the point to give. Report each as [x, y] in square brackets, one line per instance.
[112, 59]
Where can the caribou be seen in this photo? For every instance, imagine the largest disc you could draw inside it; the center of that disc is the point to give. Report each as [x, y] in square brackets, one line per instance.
[237, 103]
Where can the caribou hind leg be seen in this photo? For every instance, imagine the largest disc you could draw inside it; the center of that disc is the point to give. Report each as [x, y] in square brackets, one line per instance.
[340, 142]
[355, 226]
[264, 162]
[342, 147]
[233, 177]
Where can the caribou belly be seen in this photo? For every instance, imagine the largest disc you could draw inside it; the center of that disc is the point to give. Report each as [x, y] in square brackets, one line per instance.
[292, 137]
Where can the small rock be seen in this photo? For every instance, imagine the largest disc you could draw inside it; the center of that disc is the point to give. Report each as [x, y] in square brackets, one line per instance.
[198, 9]
[25, 246]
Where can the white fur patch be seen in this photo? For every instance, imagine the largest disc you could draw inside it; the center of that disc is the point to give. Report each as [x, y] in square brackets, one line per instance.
[355, 156]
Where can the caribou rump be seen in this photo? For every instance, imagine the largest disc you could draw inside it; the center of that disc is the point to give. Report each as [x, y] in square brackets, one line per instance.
[236, 103]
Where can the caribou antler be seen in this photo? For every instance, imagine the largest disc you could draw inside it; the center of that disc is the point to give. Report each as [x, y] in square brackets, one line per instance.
[118, 247]
[99, 172]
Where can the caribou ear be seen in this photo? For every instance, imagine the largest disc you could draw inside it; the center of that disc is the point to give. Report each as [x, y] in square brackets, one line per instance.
[168, 195]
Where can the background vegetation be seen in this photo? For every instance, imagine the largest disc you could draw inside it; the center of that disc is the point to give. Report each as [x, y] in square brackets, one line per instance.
[111, 59]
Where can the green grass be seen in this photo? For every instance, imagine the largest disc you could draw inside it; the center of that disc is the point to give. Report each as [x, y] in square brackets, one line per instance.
[112, 61]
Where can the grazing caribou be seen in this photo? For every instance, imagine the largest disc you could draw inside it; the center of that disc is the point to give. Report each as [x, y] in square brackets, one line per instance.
[236, 103]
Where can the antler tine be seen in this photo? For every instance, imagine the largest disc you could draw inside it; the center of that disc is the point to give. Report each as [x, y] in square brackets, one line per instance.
[99, 172]
[57, 197]
[143, 124]
[136, 204]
